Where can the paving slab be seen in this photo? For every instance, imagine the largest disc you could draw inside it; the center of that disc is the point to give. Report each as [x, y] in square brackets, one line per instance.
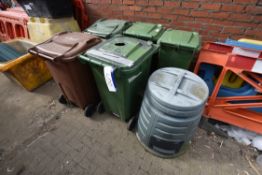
[40, 136]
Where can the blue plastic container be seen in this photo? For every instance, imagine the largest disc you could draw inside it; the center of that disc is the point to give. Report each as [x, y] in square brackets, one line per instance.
[245, 90]
[207, 72]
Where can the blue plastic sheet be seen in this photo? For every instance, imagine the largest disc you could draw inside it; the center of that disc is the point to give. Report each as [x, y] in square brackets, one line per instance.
[8, 53]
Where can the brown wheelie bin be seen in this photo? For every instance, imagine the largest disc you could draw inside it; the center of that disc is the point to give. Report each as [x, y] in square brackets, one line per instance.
[74, 78]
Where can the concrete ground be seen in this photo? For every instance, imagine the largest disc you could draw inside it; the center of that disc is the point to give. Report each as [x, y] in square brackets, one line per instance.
[40, 136]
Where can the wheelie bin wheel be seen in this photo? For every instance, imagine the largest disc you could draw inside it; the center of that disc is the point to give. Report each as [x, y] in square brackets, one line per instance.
[132, 123]
[89, 110]
[100, 108]
[62, 100]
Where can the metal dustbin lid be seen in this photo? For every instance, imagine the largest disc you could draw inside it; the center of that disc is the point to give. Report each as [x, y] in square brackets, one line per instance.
[180, 38]
[178, 89]
[121, 51]
[107, 27]
[65, 46]
[145, 30]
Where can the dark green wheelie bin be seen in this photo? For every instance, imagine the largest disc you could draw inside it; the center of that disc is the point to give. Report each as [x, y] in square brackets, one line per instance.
[178, 48]
[121, 69]
[107, 28]
[145, 31]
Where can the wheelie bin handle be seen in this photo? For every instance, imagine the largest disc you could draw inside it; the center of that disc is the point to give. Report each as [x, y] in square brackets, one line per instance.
[52, 58]
[85, 58]
[111, 57]
[40, 54]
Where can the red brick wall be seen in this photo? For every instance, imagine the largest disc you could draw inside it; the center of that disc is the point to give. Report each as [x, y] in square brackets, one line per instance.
[213, 19]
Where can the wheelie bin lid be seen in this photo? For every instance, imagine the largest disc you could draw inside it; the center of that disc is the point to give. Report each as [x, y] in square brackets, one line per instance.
[64, 46]
[106, 28]
[120, 51]
[148, 31]
[178, 88]
[180, 38]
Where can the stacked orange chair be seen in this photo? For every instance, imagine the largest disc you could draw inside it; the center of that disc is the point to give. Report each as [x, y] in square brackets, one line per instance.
[13, 24]
[245, 63]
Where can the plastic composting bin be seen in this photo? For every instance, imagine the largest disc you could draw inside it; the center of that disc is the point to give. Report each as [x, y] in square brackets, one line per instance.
[107, 28]
[47, 8]
[27, 70]
[145, 31]
[74, 78]
[178, 48]
[171, 110]
[121, 68]
[41, 29]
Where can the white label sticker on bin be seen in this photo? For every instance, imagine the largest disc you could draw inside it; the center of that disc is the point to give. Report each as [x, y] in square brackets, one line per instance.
[109, 73]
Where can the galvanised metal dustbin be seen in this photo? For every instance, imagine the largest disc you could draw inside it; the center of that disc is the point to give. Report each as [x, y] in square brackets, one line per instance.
[171, 110]
[121, 68]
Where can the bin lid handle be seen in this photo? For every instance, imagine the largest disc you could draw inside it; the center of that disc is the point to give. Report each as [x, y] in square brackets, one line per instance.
[38, 51]
[110, 57]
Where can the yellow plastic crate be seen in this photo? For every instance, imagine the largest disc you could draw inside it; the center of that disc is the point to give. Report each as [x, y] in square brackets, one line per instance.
[29, 71]
[41, 29]
[251, 41]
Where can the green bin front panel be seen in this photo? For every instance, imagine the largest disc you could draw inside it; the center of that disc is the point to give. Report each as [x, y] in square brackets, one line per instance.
[130, 84]
[172, 57]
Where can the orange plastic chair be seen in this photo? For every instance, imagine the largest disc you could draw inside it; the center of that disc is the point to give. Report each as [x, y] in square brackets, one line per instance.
[13, 24]
[234, 110]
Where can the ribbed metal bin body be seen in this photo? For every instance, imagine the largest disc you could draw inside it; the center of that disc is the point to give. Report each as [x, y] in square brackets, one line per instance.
[170, 111]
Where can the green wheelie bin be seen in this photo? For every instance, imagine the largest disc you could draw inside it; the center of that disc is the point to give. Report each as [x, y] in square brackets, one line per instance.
[145, 31]
[178, 48]
[107, 28]
[121, 67]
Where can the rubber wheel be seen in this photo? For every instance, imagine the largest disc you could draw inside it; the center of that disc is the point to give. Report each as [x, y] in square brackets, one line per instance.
[100, 108]
[89, 110]
[62, 100]
[132, 123]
